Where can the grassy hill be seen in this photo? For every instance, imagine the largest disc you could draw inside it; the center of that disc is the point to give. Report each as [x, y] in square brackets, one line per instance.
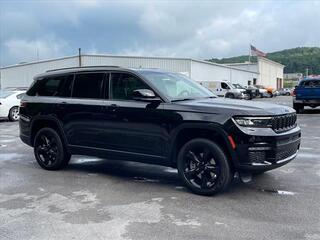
[296, 60]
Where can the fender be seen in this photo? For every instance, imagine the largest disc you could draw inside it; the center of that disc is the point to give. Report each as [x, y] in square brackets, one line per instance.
[52, 119]
[211, 127]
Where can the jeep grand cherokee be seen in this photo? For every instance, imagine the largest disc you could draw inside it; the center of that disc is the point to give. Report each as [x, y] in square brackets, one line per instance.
[156, 117]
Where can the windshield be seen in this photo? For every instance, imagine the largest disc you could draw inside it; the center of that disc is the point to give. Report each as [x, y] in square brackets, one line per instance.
[176, 86]
[238, 86]
[4, 94]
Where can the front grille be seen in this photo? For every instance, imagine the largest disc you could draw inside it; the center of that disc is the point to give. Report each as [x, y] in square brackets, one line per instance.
[287, 151]
[284, 122]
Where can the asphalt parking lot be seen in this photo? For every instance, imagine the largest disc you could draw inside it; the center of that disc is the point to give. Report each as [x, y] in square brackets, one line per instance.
[105, 199]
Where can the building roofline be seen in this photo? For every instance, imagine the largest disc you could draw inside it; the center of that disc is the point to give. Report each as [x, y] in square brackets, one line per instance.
[124, 56]
[131, 56]
[268, 60]
[41, 61]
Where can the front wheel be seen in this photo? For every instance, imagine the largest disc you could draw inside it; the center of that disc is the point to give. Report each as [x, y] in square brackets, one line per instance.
[49, 150]
[203, 167]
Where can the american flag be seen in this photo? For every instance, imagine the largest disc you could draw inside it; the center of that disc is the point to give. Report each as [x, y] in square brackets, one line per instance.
[257, 52]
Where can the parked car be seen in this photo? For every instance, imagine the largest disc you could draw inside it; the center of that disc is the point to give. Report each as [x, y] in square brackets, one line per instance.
[254, 90]
[157, 117]
[285, 91]
[307, 93]
[9, 104]
[249, 93]
[263, 91]
[224, 89]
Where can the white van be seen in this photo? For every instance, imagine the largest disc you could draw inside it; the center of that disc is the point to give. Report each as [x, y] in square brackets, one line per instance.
[224, 89]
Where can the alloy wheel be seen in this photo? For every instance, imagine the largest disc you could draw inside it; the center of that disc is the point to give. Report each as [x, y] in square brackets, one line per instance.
[47, 150]
[200, 169]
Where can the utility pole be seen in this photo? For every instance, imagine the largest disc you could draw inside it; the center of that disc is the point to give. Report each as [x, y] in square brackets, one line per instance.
[80, 63]
[307, 72]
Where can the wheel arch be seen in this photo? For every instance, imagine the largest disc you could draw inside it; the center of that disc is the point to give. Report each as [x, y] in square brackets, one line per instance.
[47, 121]
[213, 132]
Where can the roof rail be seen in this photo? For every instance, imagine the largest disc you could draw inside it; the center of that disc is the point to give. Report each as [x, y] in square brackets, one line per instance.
[52, 70]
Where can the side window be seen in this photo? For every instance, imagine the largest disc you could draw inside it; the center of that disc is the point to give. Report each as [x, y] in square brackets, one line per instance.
[224, 85]
[58, 86]
[88, 85]
[123, 85]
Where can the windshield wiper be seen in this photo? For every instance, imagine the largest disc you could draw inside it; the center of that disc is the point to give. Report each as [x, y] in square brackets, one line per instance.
[182, 99]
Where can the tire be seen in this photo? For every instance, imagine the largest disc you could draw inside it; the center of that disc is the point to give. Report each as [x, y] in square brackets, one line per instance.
[49, 150]
[299, 108]
[230, 96]
[288, 94]
[203, 167]
[14, 114]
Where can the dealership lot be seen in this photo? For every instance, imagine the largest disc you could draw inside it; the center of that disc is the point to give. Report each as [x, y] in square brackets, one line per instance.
[105, 199]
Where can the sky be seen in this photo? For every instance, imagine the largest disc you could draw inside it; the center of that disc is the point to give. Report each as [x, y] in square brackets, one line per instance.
[35, 29]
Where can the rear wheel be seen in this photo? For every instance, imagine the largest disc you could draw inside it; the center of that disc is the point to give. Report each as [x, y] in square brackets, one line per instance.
[49, 150]
[203, 167]
[14, 114]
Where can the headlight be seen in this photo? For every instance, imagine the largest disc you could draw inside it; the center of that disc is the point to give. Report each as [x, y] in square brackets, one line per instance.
[263, 122]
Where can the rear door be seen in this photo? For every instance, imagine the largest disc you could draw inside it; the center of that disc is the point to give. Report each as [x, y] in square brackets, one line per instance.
[82, 113]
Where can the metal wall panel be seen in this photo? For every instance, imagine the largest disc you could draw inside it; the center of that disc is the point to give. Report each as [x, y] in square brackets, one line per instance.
[169, 64]
[201, 71]
[22, 75]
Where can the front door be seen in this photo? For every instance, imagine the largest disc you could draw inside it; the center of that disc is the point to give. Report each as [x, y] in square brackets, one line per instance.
[136, 127]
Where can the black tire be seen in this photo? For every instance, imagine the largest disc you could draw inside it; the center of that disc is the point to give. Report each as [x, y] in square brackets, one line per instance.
[298, 107]
[288, 94]
[13, 114]
[49, 150]
[203, 167]
[230, 95]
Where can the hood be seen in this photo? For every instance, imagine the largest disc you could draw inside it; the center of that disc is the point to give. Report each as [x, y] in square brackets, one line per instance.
[236, 107]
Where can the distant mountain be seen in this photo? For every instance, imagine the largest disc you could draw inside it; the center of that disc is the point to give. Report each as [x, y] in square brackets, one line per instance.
[296, 60]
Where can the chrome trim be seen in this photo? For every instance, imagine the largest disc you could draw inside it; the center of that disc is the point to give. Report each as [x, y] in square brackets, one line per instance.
[265, 163]
[288, 158]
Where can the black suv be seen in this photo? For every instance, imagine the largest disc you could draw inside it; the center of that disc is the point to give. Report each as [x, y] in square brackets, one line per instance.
[157, 117]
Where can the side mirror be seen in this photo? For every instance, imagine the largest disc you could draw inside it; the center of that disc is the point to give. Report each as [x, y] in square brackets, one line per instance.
[144, 95]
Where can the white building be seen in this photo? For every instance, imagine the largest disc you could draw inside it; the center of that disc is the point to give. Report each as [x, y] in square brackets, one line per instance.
[266, 73]
[270, 72]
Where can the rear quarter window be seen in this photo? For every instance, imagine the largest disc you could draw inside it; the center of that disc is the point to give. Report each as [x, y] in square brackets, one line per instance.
[54, 86]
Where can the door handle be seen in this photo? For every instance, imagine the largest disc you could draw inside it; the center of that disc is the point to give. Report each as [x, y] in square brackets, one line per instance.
[61, 105]
[113, 107]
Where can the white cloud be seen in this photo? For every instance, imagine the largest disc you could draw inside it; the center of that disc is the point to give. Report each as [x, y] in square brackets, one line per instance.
[23, 50]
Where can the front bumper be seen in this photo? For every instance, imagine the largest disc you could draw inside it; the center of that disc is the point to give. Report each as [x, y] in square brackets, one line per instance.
[264, 149]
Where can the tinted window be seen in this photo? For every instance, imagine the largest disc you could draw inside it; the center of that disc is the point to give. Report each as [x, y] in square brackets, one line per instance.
[59, 86]
[88, 85]
[312, 83]
[224, 85]
[123, 85]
